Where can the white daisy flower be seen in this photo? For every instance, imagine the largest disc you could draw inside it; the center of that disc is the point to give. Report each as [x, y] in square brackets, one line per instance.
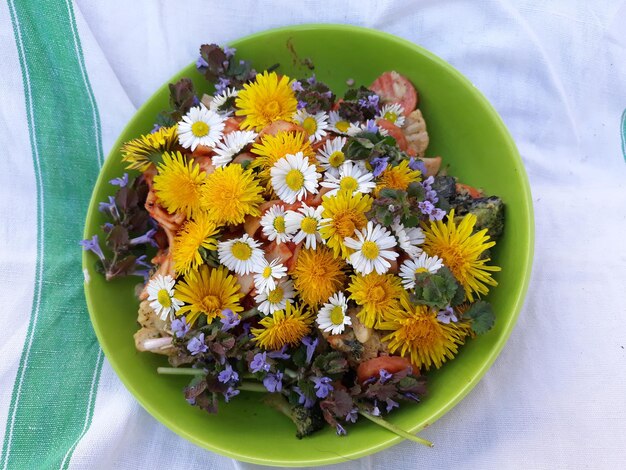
[421, 264]
[241, 255]
[331, 156]
[357, 128]
[337, 124]
[305, 224]
[314, 124]
[394, 113]
[276, 299]
[266, 274]
[273, 224]
[293, 178]
[200, 126]
[372, 249]
[161, 296]
[351, 178]
[220, 100]
[332, 316]
[409, 238]
[234, 142]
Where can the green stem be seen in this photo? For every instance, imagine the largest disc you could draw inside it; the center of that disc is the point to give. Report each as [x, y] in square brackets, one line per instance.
[251, 386]
[180, 371]
[253, 312]
[291, 373]
[395, 429]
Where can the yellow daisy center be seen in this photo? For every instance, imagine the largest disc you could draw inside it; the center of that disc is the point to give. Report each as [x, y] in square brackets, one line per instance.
[200, 128]
[163, 296]
[310, 125]
[309, 225]
[342, 125]
[348, 183]
[336, 158]
[276, 295]
[241, 251]
[272, 108]
[294, 180]
[336, 315]
[391, 116]
[420, 270]
[210, 303]
[370, 250]
[279, 224]
[267, 272]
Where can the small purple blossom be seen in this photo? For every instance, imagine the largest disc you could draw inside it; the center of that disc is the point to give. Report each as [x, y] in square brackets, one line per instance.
[391, 404]
[273, 382]
[196, 345]
[311, 344]
[141, 261]
[107, 227]
[370, 126]
[352, 415]
[201, 63]
[281, 354]
[303, 399]
[246, 329]
[229, 51]
[384, 376]
[93, 244]
[229, 319]
[372, 102]
[447, 315]
[426, 207]
[229, 393]
[412, 396]
[375, 411]
[180, 327]
[379, 165]
[228, 375]
[340, 430]
[370, 381]
[327, 94]
[311, 80]
[221, 84]
[437, 214]
[296, 86]
[155, 128]
[259, 363]
[195, 101]
[322, 386]
[301, 104]
[121, 182]
[109, 207]
[191, 401]
[417, 164]
[146, 238]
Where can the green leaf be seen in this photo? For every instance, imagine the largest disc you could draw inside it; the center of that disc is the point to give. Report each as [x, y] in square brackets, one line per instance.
[435, 290]
[482, 317]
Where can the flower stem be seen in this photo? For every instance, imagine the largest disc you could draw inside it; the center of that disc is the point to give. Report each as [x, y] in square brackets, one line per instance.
[395, 429]
[251, 386]
[180, 371]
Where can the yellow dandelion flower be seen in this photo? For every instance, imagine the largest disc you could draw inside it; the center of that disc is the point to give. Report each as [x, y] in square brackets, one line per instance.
[272, 148]
[398, 177]
[461, 252]
[284, 327]
[143, 152]
[208, 291]
[231, 193]
[378, 295]
[194, 235]
[317, 275]
[416, 333]
[266, 100]
[343, 214]
[179, 183]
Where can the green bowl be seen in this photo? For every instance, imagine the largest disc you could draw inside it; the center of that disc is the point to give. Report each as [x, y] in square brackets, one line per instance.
[464, 129]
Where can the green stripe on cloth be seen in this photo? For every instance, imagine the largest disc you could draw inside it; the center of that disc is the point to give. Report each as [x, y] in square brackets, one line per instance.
[54, 392]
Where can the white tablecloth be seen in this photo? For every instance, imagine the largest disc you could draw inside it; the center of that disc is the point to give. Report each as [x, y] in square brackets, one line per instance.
[556, 73]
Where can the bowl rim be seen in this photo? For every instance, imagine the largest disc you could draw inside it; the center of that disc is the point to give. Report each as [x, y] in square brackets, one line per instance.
[489, 359]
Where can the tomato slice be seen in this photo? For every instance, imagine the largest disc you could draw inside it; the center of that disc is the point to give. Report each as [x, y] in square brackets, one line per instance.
[391, 364]
[395, 132]
[395, 88]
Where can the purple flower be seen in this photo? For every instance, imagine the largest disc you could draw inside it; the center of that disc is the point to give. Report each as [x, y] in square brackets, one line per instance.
[107, 227]
[229, 51]
[370, 126]
[222, 84]
[384, 376]
[426, 207]
[303, 399]
[228, 374]
[311, 80]
[273, 382]
[180, 327]
[259, 363]
[327, 94]
[145, 273]
[310, 344]
[229, 319]
[246, 329]
[279, 354]
[391, 404]
[121, 182]
[412, 396]
[296, 86]
[201, 63]
[353, 415]
[195, 101]
[155, 128]
[374, 101]
[109, 207]
[230, 392]
[145, 238]
[447, 315]
[301, 104]
[375, 411]
[340, 430]
[379, 165]
[417, 164]
[93, 245]
[141, 261]
[196, 345]
[191, 401]
[322, 386]
[437, 214]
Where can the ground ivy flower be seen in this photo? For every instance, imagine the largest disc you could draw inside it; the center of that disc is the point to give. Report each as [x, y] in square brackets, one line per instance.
[447, 315]
[293, 178]
[332, 316]
[145, 239]
[379, 164]
[93, 244]
[352, 415]
[323, 386]
[384, 376]
[280, 354]
[341, 431]
[373, 249]
[241, 255]
[310, 344]
[273, 382]
[314, 124]
[303, 398]
[391, 404]
[259, 363]
[196, 345]
[331, 155]
[229, 319]
[273, 224]
[228, 375]
[234, 142]
[200, 126]
[161, 296]
[230, 393]
[303, 224]
[423, 263]
[394, 113]
[266, 274]
[179, 327]
[121, 181]
[109, 208]
[351, 178]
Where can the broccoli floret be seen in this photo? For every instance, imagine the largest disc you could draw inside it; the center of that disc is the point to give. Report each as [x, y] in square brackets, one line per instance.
[307, 420]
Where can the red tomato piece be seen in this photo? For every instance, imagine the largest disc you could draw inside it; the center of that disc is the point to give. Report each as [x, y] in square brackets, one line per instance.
[391, 364]
[395, 88]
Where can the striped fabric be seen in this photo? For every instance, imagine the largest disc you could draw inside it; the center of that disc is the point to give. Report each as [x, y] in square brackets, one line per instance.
[73, 73]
